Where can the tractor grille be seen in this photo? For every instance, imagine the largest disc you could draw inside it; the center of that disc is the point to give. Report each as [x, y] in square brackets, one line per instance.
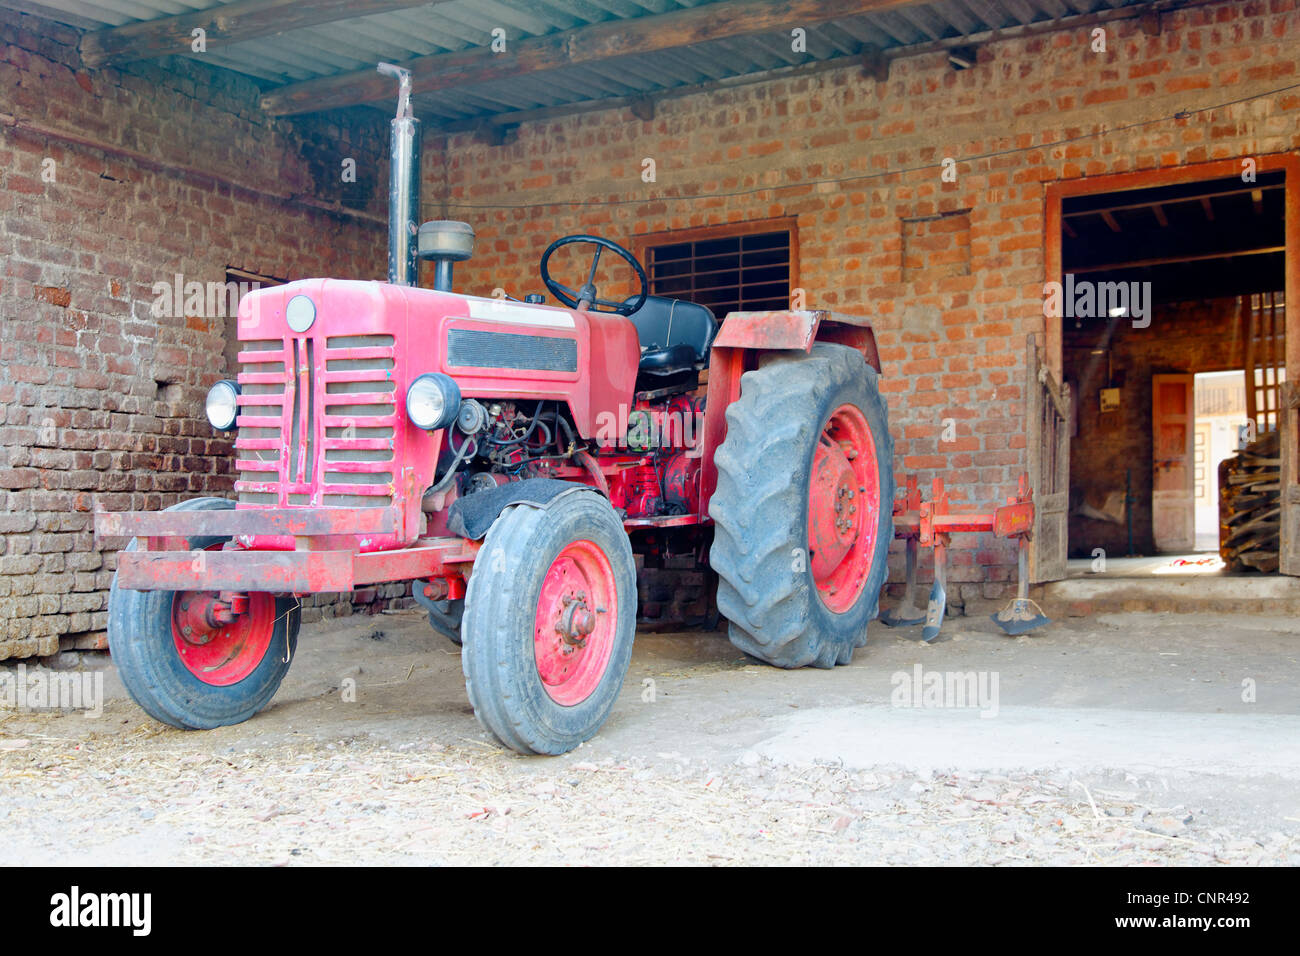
[360, 421]
[317, 424]
[468, 348]
[259, 445]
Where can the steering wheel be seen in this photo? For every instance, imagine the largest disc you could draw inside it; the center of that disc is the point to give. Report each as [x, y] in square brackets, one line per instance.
[585, 298]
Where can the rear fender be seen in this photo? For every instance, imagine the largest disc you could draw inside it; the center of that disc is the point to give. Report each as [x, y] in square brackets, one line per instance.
[797, 329]
[741, 343]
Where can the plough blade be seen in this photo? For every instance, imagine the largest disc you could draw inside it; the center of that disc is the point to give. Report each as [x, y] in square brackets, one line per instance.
[908, 616]
[1020, 617]
[934, 612]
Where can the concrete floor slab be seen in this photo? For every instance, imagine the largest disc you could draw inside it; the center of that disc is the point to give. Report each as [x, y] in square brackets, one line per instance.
[1128, 738]
[1044, 738]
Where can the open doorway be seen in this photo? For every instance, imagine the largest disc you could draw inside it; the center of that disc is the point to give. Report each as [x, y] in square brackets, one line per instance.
[1220, 404]
[1170, 294]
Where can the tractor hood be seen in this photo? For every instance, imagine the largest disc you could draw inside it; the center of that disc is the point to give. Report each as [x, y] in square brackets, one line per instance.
[494, 348]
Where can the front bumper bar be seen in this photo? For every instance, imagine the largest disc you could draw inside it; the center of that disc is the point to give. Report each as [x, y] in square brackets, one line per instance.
[322, 561]
[296, 522]
[296, 572]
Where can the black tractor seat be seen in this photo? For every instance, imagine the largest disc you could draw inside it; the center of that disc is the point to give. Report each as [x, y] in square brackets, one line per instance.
[675, 336]
[672, 359]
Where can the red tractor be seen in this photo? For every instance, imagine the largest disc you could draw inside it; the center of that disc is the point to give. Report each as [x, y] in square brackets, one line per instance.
[509, 459]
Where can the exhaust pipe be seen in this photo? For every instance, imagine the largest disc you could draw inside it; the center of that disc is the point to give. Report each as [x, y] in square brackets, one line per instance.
[403, 182]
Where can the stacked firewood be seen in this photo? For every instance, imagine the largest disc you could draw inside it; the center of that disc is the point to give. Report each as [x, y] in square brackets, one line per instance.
[1250, 509]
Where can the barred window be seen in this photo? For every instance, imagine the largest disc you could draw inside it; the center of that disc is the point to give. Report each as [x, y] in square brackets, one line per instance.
[741, 267]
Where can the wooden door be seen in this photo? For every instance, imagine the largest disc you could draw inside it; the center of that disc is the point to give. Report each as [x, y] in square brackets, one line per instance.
[1048, 431]
[1172, 470]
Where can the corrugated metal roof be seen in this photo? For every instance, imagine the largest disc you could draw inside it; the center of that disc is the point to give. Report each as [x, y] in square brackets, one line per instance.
[357, 44]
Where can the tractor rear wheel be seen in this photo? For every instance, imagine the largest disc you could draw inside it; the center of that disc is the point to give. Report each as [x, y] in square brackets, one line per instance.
[188, 670]
[803, 511]
[550, 616]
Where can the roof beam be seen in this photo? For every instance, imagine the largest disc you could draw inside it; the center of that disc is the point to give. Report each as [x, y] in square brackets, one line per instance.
[515, 118]
[618, 101]
[1175, 200]
[874, 63]
[1177, 260]
[589, 44]
[228, 23]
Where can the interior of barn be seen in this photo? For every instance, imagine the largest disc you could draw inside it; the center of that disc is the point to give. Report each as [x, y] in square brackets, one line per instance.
[1176, 358]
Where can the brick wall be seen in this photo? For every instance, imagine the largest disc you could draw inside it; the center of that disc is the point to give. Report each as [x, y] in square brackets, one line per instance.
[1205, 336]
[101, 403]
[951, 273]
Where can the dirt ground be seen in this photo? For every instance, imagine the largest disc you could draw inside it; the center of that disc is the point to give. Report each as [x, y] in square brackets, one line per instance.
[1127, 739]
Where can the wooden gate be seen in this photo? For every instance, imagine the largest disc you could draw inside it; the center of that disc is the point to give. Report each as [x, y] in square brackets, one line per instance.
[1289, 428]
[1047, 434]
[1265, 332]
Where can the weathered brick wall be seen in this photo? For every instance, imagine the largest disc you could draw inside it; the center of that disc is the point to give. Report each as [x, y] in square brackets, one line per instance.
[952, 299]
[101, 403]
[1192, 337]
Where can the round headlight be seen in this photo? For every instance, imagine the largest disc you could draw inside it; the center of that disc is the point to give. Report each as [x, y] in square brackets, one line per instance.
[222, 405]
[433, 401]
[300, 313]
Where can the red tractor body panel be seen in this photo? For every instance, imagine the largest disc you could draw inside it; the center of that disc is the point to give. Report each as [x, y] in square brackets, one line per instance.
[598, 376]
[322, 420]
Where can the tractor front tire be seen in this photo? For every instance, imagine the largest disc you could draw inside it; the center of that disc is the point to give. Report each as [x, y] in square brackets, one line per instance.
[211, 677]
[550, 617]
[803, 510]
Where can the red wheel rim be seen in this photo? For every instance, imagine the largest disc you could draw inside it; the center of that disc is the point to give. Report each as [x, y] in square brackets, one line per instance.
[576, 623]
[843, 508]
[221, 654]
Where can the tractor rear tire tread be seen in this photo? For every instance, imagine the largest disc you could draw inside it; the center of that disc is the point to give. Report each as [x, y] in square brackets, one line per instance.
[759, 508]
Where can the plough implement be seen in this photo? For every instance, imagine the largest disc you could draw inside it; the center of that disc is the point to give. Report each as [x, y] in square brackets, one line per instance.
[931, 524]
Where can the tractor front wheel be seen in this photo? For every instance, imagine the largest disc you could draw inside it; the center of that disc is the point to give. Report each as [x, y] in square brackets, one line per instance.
[803, 510]
[186, 660]
[550, 616]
